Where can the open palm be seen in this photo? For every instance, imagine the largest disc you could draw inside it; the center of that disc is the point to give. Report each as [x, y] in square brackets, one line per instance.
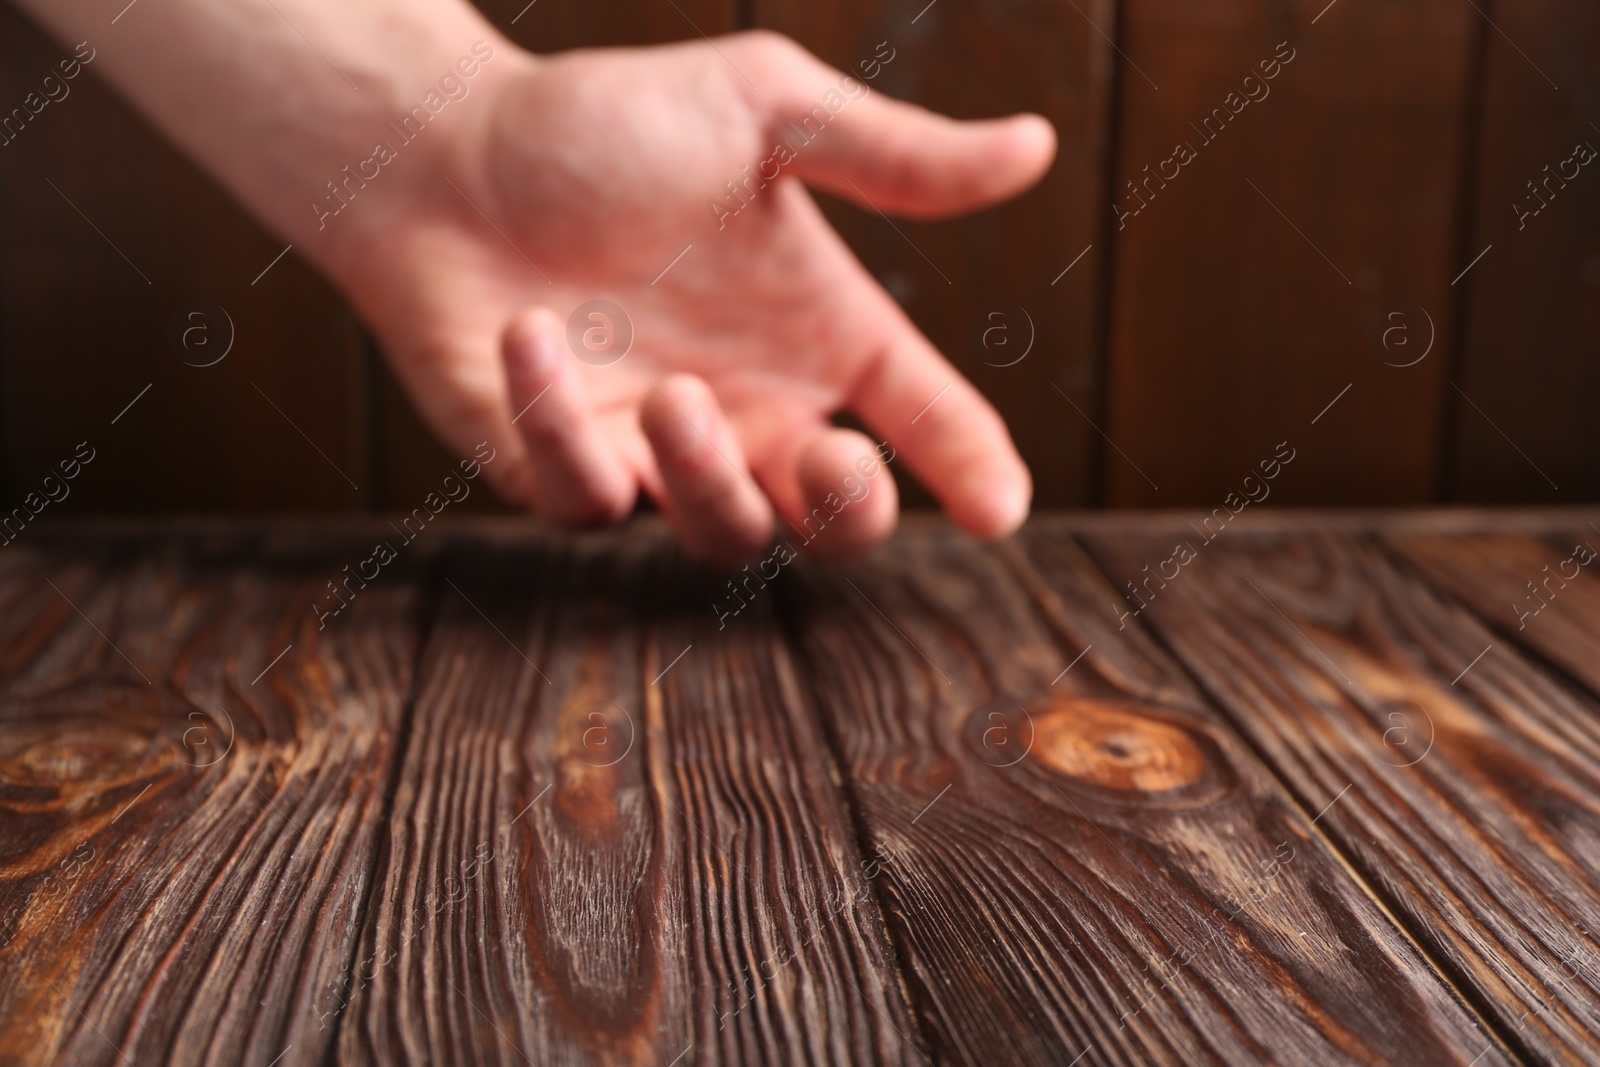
[603, 176]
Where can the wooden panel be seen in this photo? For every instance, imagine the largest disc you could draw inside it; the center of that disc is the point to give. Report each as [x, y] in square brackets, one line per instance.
[556, 27]
[1540, 591]
[1080, 858]
[1253, 285]
[1531, 360]
[1461, 780]
[109, 235]
[616, 838]
[187, 828]
[980, 60]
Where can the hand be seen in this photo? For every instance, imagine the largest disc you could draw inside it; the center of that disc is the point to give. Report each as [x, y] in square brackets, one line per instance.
[585, 176]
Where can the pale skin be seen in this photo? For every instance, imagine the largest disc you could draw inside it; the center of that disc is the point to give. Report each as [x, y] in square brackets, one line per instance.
[557, 180]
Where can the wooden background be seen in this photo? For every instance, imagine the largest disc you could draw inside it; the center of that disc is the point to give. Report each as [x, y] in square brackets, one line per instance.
[1318, 243]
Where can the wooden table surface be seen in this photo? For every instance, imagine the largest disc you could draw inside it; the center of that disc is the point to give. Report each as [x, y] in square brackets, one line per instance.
[1331, 795]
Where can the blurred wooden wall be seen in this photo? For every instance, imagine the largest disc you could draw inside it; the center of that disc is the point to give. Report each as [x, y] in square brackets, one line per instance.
[1315, 251]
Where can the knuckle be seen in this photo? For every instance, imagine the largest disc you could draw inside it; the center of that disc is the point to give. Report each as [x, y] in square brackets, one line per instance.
[773, 60]
[768, 45]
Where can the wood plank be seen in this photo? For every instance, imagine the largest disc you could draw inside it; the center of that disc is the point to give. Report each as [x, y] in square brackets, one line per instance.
[616, 836]
[979, 60]
[1080, 858]
[1467, 778]
[1533, 301]
[1535, 590]
[1253, 285]
[1462, 521]
[558, 27]
[188, 823]
[89, 317]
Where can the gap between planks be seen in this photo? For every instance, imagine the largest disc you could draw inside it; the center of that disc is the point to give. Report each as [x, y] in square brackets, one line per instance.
[1462, 990]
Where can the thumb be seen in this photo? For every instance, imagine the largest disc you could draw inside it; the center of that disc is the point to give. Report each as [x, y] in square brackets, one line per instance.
[849, 139]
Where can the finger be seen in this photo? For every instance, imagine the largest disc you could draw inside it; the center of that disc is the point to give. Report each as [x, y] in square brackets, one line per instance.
[719, 514]
[574, 475]
[903, 160]
[841, 135]
[845, 503]
[945, 432]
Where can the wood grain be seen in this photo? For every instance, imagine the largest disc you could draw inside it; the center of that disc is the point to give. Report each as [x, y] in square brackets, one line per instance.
[993, 291]
[187, 828]
[946, 805]
[617, 836]
[1532, 304]
[1460, 779]
[1080, 858]
[1534, 590]
[1256, 281]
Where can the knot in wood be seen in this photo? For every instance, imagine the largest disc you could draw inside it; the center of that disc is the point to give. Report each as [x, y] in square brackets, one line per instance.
[1116, 746]
[72, 760]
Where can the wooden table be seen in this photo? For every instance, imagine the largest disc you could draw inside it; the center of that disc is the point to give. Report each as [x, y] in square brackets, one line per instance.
[1328, 797]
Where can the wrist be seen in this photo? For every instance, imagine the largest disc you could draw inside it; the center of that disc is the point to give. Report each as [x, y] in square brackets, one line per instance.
[405, 167]
[396, 162]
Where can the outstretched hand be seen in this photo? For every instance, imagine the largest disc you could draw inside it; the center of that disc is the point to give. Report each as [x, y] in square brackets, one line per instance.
[603, 175]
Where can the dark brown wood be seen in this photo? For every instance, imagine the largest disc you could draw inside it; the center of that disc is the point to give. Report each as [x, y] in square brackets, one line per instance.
[617, 837]
[88, 319]
[188, 823]
[1462, 781]
[1257, 280]
[986, 288]
[1531, 362]
[1080, 858]
[949, 805]
[557, 27]
[1540, 591]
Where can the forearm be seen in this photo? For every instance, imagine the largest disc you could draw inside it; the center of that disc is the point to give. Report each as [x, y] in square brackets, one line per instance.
[278, 97]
